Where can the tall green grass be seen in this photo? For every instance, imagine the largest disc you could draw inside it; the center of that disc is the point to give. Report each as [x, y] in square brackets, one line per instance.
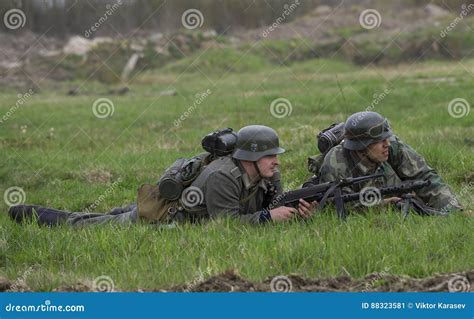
[71, 166]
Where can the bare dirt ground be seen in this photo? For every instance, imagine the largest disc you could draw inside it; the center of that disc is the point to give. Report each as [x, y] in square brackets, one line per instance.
[231, 281]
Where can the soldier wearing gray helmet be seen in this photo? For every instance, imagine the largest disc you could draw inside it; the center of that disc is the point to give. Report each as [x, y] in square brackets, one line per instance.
[241, 185]
[369, 145]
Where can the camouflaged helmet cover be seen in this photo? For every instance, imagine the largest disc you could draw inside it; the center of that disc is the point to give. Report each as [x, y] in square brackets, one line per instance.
[364, 128]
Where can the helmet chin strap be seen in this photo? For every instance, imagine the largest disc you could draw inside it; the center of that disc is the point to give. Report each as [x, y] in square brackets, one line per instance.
[257, 169]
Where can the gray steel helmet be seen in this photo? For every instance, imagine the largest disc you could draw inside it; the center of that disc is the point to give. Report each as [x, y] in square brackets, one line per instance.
[365, 128]
[255, 142]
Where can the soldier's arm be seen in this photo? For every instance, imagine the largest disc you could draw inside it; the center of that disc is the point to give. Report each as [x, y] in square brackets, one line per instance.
[223, 199]
[409, 165]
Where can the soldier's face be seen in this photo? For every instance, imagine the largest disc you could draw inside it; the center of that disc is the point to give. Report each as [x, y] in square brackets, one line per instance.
[268, 165]
[378, 152]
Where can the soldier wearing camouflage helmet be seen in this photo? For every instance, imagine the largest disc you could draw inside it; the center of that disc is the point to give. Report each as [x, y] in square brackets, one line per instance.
[370, 146]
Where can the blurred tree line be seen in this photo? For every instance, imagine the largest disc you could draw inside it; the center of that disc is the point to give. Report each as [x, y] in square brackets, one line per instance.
[65, 17]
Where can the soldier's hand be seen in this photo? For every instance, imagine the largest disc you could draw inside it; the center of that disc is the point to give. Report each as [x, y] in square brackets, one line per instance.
[391, 200]
[283, 213]
[306, 209]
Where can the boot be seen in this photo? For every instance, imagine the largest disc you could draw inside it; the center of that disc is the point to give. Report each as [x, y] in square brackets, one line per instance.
[43, 215]
[20, 213]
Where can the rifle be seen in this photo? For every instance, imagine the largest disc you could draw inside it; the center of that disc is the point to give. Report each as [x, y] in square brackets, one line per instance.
[319, 192]
[403, 190]
[332, 191]
[408, 200]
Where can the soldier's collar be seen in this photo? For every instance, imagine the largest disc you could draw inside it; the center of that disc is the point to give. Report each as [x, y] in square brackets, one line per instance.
[248, 184]
[245, 177]
[364, 164]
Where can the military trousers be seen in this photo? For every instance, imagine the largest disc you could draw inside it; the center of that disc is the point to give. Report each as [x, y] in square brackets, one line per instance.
[120, 215]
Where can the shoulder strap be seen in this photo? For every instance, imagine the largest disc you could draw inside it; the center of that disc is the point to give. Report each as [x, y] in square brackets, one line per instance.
[249, 196]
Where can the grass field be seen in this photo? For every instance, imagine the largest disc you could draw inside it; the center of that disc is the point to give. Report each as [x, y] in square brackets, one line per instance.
[61, 155]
